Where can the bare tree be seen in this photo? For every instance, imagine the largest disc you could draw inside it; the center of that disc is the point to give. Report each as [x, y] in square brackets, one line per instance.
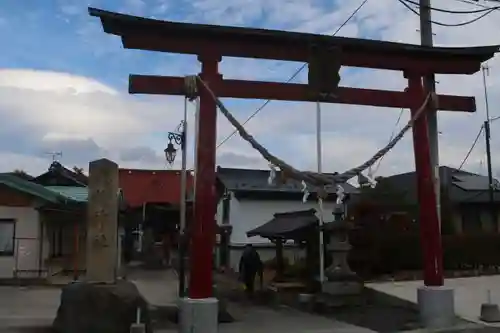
[20, 172]
[78, 170]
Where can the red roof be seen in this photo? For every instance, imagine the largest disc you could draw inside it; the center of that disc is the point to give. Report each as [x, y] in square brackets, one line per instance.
[154, 186]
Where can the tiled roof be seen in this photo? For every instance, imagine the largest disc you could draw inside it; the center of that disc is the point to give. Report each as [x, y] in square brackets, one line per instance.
[152, 186]
[257, 180]
[473, 182]
[78, 194]
[285, 225]
[463, 186]
[21, 174]
[75, 193]
[28, 187]
[57, 169]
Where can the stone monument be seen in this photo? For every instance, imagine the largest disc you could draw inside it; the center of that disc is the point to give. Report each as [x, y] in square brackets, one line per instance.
[102, 219]
[101, 303]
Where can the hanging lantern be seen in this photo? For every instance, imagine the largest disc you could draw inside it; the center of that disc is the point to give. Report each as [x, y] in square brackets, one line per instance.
[170, 153]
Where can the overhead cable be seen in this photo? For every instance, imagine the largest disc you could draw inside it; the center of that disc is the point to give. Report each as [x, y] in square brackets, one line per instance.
[471, 148]
[474, 3]
[489, 11]
[390, 138]
[455, 11]
[297, 72]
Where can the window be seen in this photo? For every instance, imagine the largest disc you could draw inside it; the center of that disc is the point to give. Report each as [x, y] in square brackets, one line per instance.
[7, 234]
[56, 242]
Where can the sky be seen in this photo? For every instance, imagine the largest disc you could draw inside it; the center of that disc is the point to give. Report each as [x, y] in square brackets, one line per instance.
[63, 86]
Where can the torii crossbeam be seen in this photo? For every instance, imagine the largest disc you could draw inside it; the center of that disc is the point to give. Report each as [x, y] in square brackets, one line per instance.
[211, 43]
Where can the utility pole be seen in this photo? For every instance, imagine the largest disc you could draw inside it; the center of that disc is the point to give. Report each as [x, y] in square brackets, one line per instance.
[320, 200]
[436, 305]
[491, 190]
[430, 87]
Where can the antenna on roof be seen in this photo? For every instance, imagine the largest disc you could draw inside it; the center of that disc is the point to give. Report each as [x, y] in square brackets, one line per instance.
[55, 155]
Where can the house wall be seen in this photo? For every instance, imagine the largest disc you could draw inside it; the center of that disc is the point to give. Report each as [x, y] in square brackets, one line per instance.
[25, 263]
[66, 222]
[456, 219]
[245, 215]
[484, 215]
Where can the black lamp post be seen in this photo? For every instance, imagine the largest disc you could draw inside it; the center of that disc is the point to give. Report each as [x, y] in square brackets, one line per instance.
[179, 138]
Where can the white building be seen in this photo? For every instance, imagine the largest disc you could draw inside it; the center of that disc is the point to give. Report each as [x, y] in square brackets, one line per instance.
[248, 201]
[42, 229]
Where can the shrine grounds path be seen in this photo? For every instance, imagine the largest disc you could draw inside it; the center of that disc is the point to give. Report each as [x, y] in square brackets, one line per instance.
[32, 309]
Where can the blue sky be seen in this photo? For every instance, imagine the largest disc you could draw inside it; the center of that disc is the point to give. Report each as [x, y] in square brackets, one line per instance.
[61, 36]
[55, 48]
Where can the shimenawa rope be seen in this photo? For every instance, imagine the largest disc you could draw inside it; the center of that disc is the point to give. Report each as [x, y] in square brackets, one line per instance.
[313, 178]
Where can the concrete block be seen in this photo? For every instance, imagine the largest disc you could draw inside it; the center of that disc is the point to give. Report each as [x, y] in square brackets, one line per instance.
[490, 313]
[436, 306]
[199, 315]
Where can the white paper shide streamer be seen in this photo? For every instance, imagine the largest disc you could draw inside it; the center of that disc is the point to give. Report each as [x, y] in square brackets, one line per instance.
[272, 174]
[305, 190]
[340, 195]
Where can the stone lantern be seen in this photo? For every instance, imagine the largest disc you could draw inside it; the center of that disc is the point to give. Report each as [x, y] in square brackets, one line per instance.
[340, 279]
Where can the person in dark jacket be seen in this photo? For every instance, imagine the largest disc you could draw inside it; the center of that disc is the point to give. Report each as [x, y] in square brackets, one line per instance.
[250, 265]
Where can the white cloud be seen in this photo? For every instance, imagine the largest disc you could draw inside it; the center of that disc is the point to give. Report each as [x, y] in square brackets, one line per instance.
[52, 82]
[61, 107]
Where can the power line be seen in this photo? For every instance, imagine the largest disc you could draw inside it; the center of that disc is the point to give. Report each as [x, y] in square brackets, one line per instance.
[474, 3]
[471, 148]
[403, 2]
[455, 11]
[390, 138]
[297, 72]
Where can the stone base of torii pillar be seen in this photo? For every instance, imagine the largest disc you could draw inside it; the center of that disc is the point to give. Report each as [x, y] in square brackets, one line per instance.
[436, 306]
[198, 315]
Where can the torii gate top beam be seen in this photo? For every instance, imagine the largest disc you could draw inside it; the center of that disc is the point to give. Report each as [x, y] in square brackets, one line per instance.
[164, 36]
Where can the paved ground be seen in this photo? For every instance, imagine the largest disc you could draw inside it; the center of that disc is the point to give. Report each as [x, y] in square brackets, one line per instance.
[265, 320]
[469, 293]
[28, 306]
[37, 306]
[159, 287]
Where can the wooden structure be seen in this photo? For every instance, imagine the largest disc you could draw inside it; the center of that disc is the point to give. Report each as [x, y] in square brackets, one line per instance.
[299, 226]
[211, 43]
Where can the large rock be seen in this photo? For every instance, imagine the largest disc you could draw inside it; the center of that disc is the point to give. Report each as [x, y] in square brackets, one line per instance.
[100, 308]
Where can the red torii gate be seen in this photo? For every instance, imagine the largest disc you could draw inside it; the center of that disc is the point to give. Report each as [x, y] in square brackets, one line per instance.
[210, 43]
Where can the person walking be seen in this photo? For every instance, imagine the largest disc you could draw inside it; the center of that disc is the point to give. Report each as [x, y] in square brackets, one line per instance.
[250, 265]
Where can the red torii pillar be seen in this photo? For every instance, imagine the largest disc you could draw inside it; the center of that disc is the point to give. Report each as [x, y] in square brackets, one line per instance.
[211, 43]
[203, 232]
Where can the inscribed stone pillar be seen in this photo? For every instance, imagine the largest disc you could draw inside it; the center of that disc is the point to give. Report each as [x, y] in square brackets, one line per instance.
[102, 222]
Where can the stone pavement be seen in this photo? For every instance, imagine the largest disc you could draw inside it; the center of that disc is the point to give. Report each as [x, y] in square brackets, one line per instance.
[158, 287]
[35, 306]
[253, 319]
[470, 292]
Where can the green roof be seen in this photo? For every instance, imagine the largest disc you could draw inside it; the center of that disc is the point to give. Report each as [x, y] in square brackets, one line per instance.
[34, 189]
[53, 194]
[74, 193]
[77, 193]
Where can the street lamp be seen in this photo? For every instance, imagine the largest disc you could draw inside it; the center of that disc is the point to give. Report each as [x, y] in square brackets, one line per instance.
[170, 153]
[179, 138]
